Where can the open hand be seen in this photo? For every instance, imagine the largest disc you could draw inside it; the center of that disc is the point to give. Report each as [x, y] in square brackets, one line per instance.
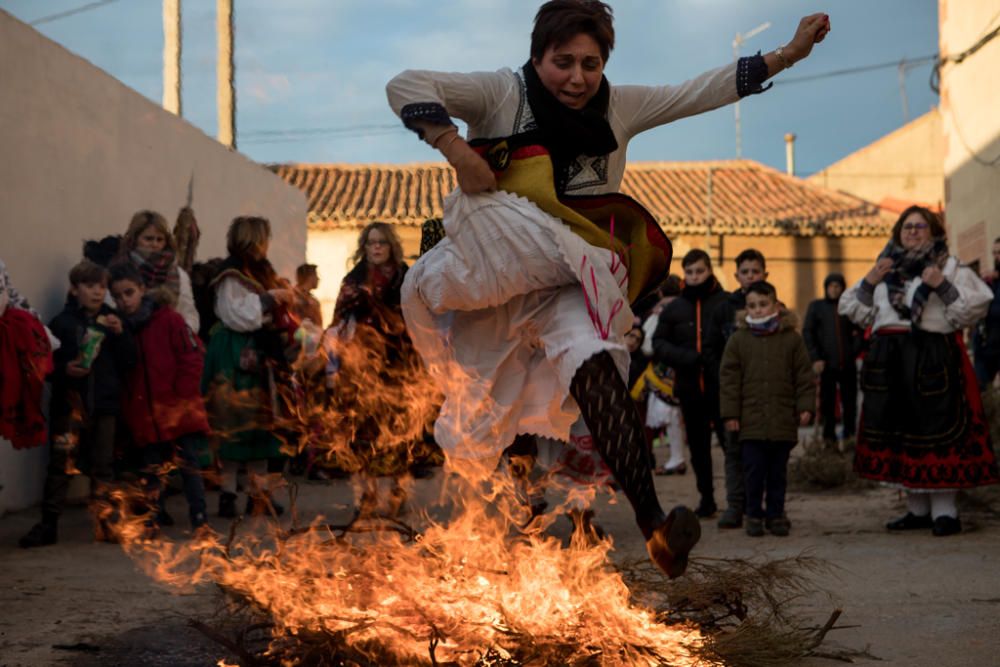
[812, 30]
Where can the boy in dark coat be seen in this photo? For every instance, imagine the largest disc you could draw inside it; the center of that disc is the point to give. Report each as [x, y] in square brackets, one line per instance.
[679, 342]
[163, 405]
[767, 392]
[86, 396]
[833, 342]
[750, 267]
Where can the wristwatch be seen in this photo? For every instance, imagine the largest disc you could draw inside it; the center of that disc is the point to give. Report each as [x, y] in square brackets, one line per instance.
[780, 54]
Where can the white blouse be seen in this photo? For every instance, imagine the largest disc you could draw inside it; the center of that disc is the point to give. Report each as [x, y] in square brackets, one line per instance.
[955, 310]
[239, 308]
[494, 104]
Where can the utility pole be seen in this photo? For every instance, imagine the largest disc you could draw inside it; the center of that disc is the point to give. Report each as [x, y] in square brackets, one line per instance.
[172, 56]
[737, 43]
[225, 74]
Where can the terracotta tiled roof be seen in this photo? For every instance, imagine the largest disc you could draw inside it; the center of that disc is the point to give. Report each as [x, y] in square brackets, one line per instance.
[747, 198]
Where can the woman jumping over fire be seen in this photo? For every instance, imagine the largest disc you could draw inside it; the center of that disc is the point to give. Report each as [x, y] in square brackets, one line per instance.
[520, 312]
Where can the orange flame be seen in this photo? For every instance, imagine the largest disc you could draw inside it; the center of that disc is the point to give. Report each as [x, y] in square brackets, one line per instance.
[479, 580]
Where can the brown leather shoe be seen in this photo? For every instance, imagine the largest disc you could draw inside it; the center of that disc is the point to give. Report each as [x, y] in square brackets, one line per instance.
[673, 540]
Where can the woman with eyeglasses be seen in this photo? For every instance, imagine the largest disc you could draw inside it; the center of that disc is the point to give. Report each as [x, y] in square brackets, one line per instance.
[922, 424]
[373, 425]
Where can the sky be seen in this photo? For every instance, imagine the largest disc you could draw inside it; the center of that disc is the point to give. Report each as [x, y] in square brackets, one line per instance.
[311, 74]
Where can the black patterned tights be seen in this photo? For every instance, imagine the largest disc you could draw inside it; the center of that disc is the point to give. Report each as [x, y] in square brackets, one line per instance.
[616, 428]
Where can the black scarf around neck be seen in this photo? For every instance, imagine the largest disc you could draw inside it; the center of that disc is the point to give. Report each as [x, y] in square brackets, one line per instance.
[701, 291]
[565, 132]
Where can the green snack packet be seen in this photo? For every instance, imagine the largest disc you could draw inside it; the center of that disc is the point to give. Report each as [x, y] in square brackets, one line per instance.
[90, 347]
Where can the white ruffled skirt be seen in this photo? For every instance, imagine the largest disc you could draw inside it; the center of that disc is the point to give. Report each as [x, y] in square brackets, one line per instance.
[504, 310]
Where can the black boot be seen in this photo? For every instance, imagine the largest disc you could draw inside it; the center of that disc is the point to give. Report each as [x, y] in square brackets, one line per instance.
[617, 431]
[41, 534]
[227, 505]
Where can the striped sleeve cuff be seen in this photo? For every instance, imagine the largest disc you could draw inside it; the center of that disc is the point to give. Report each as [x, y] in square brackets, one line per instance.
[866, 293]
[947, 292]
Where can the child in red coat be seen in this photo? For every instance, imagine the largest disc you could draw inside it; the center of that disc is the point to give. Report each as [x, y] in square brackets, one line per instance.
[162, 403]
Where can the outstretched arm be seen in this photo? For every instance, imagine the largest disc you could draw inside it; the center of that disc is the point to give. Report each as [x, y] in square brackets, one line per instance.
[645, 107]
[426, 101]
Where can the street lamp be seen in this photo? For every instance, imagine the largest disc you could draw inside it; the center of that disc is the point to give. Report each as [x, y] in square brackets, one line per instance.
[737, 43]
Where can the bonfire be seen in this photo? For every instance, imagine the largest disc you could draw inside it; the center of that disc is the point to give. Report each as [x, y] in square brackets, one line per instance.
[484, 584]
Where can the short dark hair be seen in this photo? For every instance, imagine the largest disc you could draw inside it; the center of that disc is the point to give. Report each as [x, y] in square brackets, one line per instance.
[763, 288]
[559, 21]
[305, 271]
[930, 217]
[695, 256]
[88, 273]
[751, 255]
[996, 240]
[126, 271]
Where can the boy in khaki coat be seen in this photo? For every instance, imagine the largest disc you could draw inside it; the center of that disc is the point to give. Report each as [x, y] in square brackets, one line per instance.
[767, 392]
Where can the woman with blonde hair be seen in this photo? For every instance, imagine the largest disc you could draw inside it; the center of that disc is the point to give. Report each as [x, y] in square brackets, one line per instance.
[149, 245]
[245, 352]
[376, 366]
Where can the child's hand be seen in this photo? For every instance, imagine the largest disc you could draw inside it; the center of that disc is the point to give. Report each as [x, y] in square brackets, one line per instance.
[805, 418]
[113, 323]
[732, 424]
[75, 370]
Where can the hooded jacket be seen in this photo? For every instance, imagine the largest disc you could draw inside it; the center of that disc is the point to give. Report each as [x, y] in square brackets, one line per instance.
[767, 381]
[681, 336]
[163, 398]
[830, 337]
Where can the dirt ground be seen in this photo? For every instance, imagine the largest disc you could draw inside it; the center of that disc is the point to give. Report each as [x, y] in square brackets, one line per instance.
[909, 599]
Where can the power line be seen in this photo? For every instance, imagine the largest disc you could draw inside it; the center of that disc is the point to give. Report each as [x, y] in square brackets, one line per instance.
[906, 62]
[310, 131]
[70, 12]
[318, 137]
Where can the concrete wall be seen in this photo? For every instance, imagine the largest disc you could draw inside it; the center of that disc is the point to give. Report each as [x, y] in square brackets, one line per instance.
[971, 126]
[904, 165]
[81, 153]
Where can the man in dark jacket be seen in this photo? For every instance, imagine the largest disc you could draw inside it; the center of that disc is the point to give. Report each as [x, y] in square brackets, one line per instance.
[986, 336]
[86, 394]
[833, 342]
[679, 342]
[750, 268]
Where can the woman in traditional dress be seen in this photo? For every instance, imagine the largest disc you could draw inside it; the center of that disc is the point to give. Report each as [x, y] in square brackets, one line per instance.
[245, 360]
[149, 245]
[521, 310]
[922, 424]
[377, 369]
